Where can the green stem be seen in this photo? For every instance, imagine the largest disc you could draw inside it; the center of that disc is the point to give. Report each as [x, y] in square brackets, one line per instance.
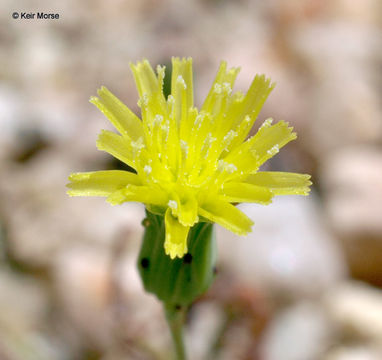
[176, 317]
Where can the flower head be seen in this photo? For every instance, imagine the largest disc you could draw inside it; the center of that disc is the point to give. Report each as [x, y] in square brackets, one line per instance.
[191, 165]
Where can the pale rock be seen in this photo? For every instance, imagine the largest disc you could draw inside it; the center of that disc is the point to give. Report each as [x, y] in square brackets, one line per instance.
[352, 187]
[22, 302]
[357, 309]
[354, 116]
[352, 184]
[289, 251]
[103, 299]
[207, 320]
[41, 219]
[82, 277]
[365, 11]
[355, 353]
[141, 312]
[300, 332]
[10, 119]
[24, 306]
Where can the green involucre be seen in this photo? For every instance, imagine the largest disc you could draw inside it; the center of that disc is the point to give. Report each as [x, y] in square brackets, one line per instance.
[177, 282]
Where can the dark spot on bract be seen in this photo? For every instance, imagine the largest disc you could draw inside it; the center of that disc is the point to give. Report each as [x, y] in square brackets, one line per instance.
[187, 258]
[178, 307]
[146, 222]
[145, 263]
[215, 270]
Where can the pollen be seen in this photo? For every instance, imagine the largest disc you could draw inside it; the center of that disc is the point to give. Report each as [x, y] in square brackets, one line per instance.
[181, 81]
[184, 146]
[227, 88]
[147, 169]
[229, 137]
[230, 168]
[158, 119]
[266, 123]
[172, 204]
[217, 89]
[139, 144]
[273, 151]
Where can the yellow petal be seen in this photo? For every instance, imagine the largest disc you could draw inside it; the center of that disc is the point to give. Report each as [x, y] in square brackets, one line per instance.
[270, 139]
[144, 194]
[197, 140]
[175, 243]
[100, 183]
[117, 146]
[171, 144]
[246, 114]
[218, 98]
[152, 101]
[145, 78]
[184, 205]
[185, 129]
[243, 192]
[222, 76]
[266, 143]
[124, 120]
[282, 183]
[225, 214]
[182, 87]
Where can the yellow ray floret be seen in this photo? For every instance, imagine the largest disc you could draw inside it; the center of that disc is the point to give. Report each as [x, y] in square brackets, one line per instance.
[191, 165]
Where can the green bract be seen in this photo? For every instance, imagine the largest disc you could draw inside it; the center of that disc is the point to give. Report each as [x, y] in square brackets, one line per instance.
[177, 282]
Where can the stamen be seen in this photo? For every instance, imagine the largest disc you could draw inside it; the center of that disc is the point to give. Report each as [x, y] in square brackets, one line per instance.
[224, 166]
[266, 123]
[166, 127]
[227, 88]
[158, 119]
[172, 204]
[147, 169]
[199, 120]
[275, 149]
[181, 81]
[137, 145]
[143, 100]
[170, 100]
[221, 164]
[184, 146]
[230, 168]
[229, 137]
[210, 139]
[217, 89]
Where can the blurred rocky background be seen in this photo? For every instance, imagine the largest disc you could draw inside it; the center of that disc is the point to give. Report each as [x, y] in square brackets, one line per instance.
[304, 285]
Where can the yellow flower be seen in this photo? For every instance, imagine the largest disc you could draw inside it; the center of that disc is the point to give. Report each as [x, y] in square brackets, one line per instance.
[191, 165]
